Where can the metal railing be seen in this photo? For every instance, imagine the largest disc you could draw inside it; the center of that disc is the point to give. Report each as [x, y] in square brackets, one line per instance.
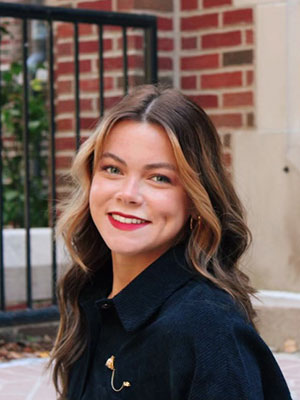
[50, 15]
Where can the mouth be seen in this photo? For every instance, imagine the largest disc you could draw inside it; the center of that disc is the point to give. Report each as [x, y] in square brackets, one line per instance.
[127, 219]
[126, 222]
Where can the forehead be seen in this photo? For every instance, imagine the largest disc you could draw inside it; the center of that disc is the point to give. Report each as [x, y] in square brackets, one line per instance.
[139, 139]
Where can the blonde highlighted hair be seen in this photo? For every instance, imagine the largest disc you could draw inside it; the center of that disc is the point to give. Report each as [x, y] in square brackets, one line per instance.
[214, 246]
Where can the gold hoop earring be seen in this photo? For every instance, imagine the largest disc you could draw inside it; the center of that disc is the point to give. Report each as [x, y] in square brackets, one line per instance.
[192, 221]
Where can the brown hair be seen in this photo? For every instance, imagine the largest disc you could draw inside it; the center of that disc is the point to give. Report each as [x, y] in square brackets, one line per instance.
[214, 246]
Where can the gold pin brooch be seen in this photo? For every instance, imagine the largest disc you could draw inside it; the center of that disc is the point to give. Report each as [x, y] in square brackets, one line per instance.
[110, 364]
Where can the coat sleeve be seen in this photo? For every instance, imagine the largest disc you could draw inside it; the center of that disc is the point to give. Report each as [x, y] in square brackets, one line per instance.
[233, 363]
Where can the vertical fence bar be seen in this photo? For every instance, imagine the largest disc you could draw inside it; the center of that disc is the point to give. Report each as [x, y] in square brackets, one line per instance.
[77, 100]
[26, 163]
[151, 55]
[2, 274]
[101, 71]
[52, 159]
[125, 60]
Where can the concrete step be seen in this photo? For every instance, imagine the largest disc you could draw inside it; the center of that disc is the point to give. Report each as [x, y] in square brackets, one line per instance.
[279, 319]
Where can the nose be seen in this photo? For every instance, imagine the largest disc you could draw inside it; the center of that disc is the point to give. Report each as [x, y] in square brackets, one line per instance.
[130, 191]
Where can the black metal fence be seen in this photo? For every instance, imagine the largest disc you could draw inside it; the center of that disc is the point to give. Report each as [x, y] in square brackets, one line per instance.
[24, 14]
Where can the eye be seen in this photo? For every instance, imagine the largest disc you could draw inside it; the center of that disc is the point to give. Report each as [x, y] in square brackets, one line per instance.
[161, 179]
[111, 169]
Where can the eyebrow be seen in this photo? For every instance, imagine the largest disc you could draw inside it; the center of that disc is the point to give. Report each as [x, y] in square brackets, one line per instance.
[147, 166]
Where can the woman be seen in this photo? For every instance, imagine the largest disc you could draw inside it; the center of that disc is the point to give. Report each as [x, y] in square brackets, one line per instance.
[154, 305]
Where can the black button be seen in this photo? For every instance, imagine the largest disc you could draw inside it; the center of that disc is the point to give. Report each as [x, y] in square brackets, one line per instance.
[105, 306]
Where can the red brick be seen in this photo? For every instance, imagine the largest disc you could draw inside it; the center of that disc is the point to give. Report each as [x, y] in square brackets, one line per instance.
[68, 67]
[64, 124]
[66, 143]
[64, 87]
[63, 162]
[64, 49]
[189, 5]
[85, 29]
[249, 36]
[164, 24]
[103, 5]
[65, 30]
[111, 101]
[92, 46]
[165, 44]
[111, 63]
[227, 120]
[189, 43]
[133, 80]
[92, 85]
[206, 101]
[134, 42]
[199, 22]
[125, 5]
[135, 61]
[113, 28]
[227, 159]
[250, 120]
[216, 3]
[88, 123]
[69, 105]
[189, 82]
[239, 57]
[227, 79]
[238, 99]
[238, 17]
[221, 39]
[165, 63]
[89, 85]
[200, 62]
[156, 5]
[249, 77]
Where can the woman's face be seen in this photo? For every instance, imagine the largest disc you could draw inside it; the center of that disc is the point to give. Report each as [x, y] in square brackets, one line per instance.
[137, 200]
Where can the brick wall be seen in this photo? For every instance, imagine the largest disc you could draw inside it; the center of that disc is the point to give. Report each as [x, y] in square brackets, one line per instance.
[217, 59]
[89, 67]
[216, 63]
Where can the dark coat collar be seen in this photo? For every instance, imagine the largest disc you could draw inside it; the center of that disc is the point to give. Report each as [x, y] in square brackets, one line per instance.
[142, 297]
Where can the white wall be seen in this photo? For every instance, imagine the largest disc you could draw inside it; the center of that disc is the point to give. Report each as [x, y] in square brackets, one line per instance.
[261, 156]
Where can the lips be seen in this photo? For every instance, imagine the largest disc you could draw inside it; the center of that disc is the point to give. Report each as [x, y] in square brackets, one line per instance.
[127, 219]
[126, 222]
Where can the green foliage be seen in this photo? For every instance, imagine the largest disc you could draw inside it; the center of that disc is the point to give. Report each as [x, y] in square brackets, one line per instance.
[12, 156]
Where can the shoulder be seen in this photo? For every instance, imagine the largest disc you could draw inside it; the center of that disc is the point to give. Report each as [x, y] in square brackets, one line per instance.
[199, 312]
[202, 301]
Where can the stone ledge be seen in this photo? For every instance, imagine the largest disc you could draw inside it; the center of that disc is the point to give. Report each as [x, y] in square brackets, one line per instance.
[279, 319]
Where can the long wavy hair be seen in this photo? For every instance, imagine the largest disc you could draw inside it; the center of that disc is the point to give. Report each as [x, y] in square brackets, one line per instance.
[214, 246]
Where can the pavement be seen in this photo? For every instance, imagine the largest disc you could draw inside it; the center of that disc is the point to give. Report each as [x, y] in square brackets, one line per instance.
[27, 379]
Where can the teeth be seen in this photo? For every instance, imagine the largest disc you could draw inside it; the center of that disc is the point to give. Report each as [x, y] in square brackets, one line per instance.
[127, 220]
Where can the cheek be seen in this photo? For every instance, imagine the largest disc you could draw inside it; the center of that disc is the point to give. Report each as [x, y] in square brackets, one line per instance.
[97, 194]
[173, 206]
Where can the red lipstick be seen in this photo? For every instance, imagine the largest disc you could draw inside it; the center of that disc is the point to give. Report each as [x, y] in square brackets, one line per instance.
[126, 226]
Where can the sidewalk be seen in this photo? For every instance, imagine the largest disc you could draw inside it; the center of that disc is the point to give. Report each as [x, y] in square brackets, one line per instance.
[26, 380]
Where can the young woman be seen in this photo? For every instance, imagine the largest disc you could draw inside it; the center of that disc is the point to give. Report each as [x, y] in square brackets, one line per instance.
[154, 305]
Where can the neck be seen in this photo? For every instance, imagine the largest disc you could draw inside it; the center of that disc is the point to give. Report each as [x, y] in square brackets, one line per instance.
[126, 268]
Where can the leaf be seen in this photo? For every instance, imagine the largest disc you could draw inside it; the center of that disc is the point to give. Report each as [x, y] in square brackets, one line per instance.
[11, 195]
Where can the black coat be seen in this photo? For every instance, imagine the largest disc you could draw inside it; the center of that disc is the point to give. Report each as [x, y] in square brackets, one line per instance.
[175, 336]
